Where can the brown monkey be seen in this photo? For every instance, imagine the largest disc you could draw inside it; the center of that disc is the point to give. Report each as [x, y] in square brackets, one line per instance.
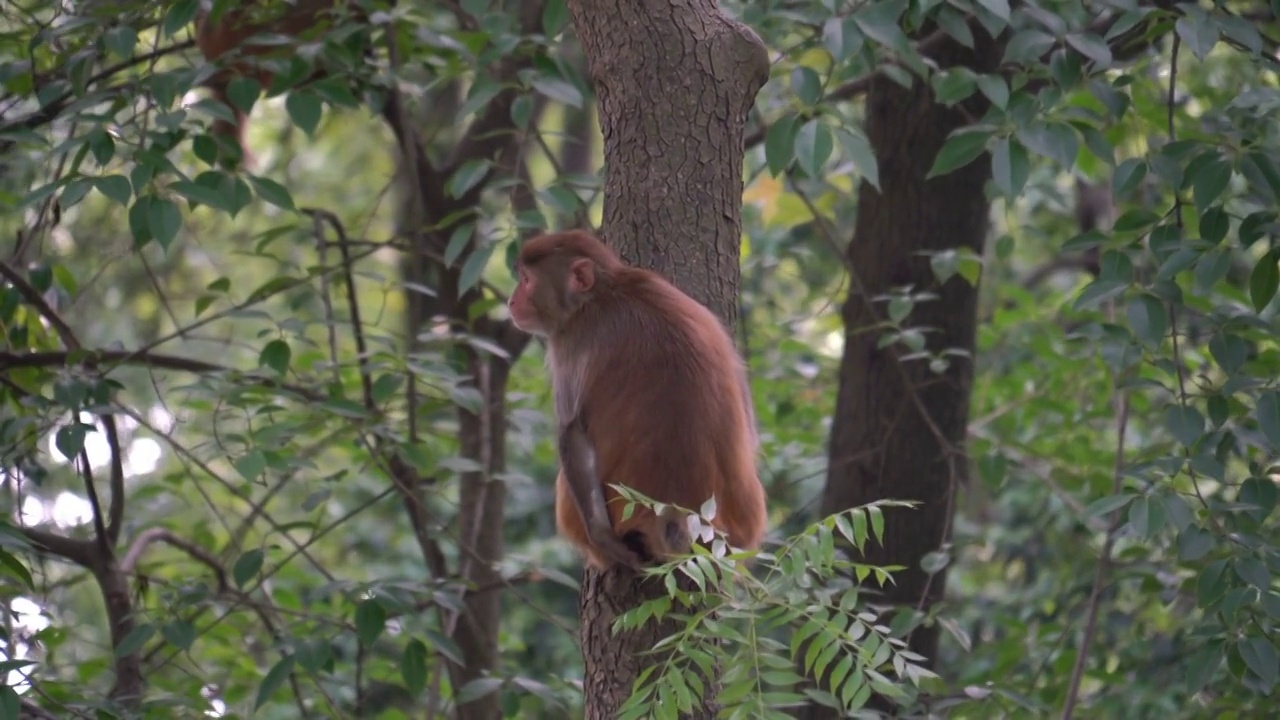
[650, 394]
[231, 31]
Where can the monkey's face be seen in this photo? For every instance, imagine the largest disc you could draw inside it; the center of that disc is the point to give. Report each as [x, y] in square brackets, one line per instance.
[524, 303]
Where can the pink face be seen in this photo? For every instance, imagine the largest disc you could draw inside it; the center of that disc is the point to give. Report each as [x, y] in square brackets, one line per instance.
[523, 313]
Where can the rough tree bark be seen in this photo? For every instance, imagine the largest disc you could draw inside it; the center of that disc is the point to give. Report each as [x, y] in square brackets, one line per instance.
[899, 429]
[675, 79]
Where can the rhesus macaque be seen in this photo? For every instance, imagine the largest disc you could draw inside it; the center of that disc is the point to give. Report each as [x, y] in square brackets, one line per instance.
[650, 394]
[230, 30]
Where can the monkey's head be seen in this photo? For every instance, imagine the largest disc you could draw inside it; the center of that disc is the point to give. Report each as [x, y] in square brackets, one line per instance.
[556, 274]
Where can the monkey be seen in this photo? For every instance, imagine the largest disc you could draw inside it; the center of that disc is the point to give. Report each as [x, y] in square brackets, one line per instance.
[649, 392]
[220, 33]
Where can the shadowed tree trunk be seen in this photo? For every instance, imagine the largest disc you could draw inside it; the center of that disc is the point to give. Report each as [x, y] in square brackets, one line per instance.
[675, 79]
[899, 428]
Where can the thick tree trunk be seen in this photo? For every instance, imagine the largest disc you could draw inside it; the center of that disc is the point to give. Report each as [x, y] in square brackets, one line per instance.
[899, 429]
[675, 79]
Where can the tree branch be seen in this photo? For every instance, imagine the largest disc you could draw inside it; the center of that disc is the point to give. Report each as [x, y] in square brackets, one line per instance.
[150, 536]
[143, 358]
[73, 550]
[36, 300]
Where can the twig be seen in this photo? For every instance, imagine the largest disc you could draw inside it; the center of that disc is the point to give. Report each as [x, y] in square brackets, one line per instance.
[1104, 562]
[353, 302]
[33, 298]
[153, 535]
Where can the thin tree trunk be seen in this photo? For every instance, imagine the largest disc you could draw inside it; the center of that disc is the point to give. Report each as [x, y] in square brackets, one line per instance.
[899, 429]
[675, 79]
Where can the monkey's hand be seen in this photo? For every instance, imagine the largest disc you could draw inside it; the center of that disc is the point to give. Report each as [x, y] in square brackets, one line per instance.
[610, 547]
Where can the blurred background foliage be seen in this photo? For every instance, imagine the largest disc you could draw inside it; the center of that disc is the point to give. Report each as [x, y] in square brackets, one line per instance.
[1113, 322]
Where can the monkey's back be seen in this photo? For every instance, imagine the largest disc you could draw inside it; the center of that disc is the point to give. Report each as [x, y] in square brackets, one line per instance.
[665, 409]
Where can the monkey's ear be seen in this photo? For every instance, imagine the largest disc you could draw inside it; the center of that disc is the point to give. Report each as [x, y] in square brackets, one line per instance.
[582, 275]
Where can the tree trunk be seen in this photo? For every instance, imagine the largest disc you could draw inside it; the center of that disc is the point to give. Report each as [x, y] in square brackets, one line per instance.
[899, 429]
[675, 79]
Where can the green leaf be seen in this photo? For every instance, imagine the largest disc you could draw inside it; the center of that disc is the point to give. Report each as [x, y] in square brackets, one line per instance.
[1010, 166]
[251, 465]
[120, 41]
[1212, 267]
[1263, 280]
[413, 666]
[1260, 492]
[1027, 46]
[1127, 176]
[1201, 667]
[959, 150]
[134, 641]
[555, 17]
[1253, 571]
[371, 619]
[1185, 422]
[482, 91]
[138, 223]
[1052, 139]
[1197, 32]
[467, 176]
[74, 191]
[995, 88]
[956, 25]
[842, 37]
[274, 680]
[858, 149]
[813, 147]
[1210, 585]
[179, 633]
[780, 144]
[1260, 655]
[1092, 47]
[304, 110]
[1148, 319]
[243, 93]
[1098, 291]
[276, 355]
[180, 14]
[247, 567]
[1146, 516]
[69, 440]
[1194, 543]
[1209, 181]
[478, 688]
[806, 84]
[1136, 220]
[164, 219]
[558, 90]
[474, 267]
[1229, 350]
[115, 187]
[952, 86]
[1268, 414]
[522, 111]
[271, 191]
[13, 567]
[879, 21]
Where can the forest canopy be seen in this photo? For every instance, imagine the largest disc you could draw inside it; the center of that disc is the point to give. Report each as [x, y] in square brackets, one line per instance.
[1003, 275]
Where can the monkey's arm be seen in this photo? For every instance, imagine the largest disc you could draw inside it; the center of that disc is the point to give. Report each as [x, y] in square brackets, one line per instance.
[578, 461]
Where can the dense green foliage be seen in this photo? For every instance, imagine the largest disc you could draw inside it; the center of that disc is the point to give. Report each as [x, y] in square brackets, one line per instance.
[1117, 548]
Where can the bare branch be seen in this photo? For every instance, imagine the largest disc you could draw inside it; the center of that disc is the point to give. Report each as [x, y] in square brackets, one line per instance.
[95, 358]
[33, 298]
[73, 550]
[153, 535]
[115, 512]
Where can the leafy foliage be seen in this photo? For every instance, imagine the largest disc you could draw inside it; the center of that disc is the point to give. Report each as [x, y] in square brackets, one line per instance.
[209, 377]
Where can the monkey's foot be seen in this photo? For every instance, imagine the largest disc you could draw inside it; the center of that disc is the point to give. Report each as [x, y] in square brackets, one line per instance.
[618, 552]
